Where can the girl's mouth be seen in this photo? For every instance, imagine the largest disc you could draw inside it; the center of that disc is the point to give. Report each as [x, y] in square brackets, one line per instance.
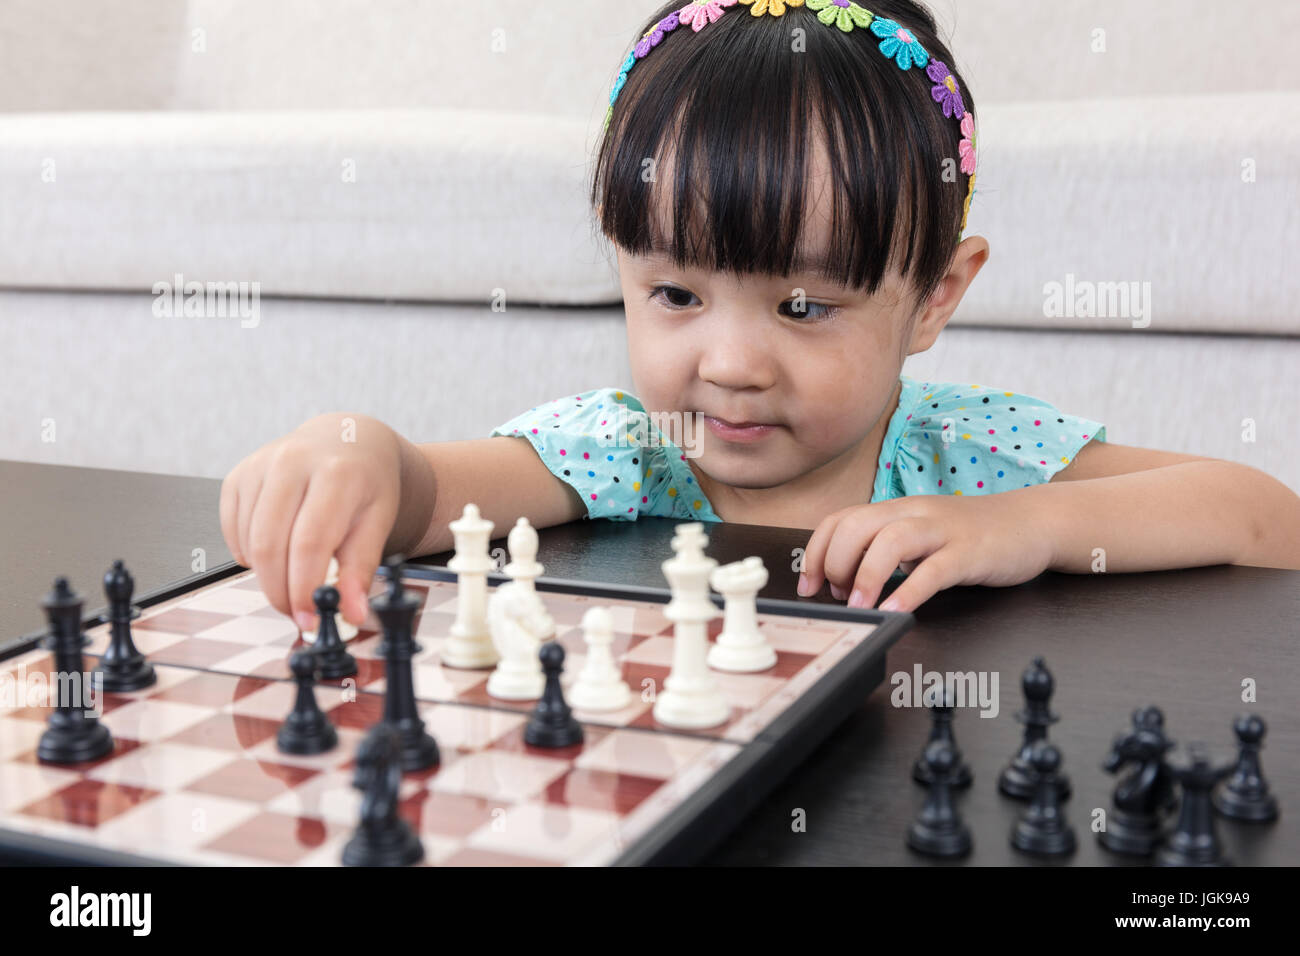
[737, 432]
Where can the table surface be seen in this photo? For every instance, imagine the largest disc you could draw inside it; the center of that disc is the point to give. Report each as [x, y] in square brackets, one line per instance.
[1187, 641]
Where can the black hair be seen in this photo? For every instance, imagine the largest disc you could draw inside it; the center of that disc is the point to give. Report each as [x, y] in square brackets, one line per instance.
[741, 112]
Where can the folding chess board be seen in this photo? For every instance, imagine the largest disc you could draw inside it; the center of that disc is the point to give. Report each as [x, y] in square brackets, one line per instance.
[195, 776]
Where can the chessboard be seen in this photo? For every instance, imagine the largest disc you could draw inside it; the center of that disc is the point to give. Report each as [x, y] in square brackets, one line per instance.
[195, 776]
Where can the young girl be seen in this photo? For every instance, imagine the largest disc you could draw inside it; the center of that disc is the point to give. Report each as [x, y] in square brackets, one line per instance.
[786, 185]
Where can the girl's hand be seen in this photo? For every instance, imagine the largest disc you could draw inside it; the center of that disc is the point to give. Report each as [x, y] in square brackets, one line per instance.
[330, 488]
[941, 540]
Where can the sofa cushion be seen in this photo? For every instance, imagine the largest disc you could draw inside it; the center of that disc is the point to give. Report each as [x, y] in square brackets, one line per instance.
[1138, 214]
[445, 205]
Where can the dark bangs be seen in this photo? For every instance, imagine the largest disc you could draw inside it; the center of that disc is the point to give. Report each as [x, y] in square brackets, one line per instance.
[739, 113]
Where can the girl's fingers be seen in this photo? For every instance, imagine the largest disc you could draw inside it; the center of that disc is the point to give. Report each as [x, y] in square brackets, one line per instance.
[359, 555]
[814, 555]
[853, 536]
[229, 511]
[906, 539]
[939, 571]
[322, 523]
[248, 496]
[273, 516]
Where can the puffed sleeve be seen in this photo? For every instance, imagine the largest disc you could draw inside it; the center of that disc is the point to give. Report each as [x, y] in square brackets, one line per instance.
[973, 440]
[604, 444]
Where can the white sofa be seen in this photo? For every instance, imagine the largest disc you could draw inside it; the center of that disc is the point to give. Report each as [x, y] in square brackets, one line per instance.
[391, 183]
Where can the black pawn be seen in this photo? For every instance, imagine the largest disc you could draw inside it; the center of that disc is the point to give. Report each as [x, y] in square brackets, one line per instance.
[306, 730]
[941, 729]
[122, 668]
[937, 829]
[1135, 825]
[1017, 778]
[1041, 829]
[74, 733]
[332, 655]
[1246, 796]
[382, 838]
[552, 723]
[1194, 841]
[396, 610]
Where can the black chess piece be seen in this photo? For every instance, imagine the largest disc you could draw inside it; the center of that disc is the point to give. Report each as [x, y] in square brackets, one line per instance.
[332, 655]
[1246, 796]
[122, 668]
[1041, 829]
[1134, 825]
[552, 723]
[306, 730]
[382, 838]
[937, 829]
[1194, 841]
[74, 733]
[1153, 719]
[1017, 778]
[396, 610]
[941, 729]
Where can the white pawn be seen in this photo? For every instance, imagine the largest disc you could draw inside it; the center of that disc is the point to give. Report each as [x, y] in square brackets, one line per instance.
[524, 569]
[470, 643]
[346, 631]
[599, 686]
[741, 647]
[516, 635]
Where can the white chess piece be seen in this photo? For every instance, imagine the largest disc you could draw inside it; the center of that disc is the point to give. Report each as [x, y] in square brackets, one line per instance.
[599, 686]
[524, 569]
[516, 628]
[346, 631]
[741, 647]
[691, 697]
[470, 644]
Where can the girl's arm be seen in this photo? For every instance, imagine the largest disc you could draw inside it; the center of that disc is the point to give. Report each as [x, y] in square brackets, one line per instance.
[1151, 510]
[503, 476]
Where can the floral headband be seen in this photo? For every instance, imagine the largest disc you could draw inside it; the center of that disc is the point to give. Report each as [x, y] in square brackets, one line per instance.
[896, 43]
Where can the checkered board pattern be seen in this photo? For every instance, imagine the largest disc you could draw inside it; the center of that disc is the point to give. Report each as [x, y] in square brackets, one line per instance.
[195, 775]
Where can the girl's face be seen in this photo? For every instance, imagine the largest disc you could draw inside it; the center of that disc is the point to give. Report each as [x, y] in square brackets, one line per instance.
[815, 362]
[819, 372]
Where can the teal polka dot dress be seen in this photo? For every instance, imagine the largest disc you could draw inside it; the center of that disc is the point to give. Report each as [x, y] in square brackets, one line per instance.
[952, 439]
[944, 438]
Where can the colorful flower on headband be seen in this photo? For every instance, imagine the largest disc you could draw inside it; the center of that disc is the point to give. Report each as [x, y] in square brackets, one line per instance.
[898, 44]
[844, 14]
[622, 77]
[655, 34]
[698, 13]
[774, 7]
[946, 92]
[966, 148]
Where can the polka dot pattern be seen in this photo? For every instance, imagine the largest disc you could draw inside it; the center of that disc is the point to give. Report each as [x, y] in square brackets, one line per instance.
[605, 445]
[944, 438]
[962, 439]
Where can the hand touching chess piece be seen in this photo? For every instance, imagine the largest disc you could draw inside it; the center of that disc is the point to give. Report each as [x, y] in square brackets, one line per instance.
[332, 487]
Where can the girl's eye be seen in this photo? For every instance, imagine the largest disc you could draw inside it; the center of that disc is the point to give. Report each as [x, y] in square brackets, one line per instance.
[672, 297]
[663, 293]
[810, 311]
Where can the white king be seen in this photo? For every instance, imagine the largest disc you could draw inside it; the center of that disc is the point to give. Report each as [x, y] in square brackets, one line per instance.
[691, 697]
[470, 644]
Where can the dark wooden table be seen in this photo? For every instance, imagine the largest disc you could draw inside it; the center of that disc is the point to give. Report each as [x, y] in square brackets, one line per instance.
[1186, 641]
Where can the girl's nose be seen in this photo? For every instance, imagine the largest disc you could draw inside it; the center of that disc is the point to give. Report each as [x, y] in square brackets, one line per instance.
[735, 354]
